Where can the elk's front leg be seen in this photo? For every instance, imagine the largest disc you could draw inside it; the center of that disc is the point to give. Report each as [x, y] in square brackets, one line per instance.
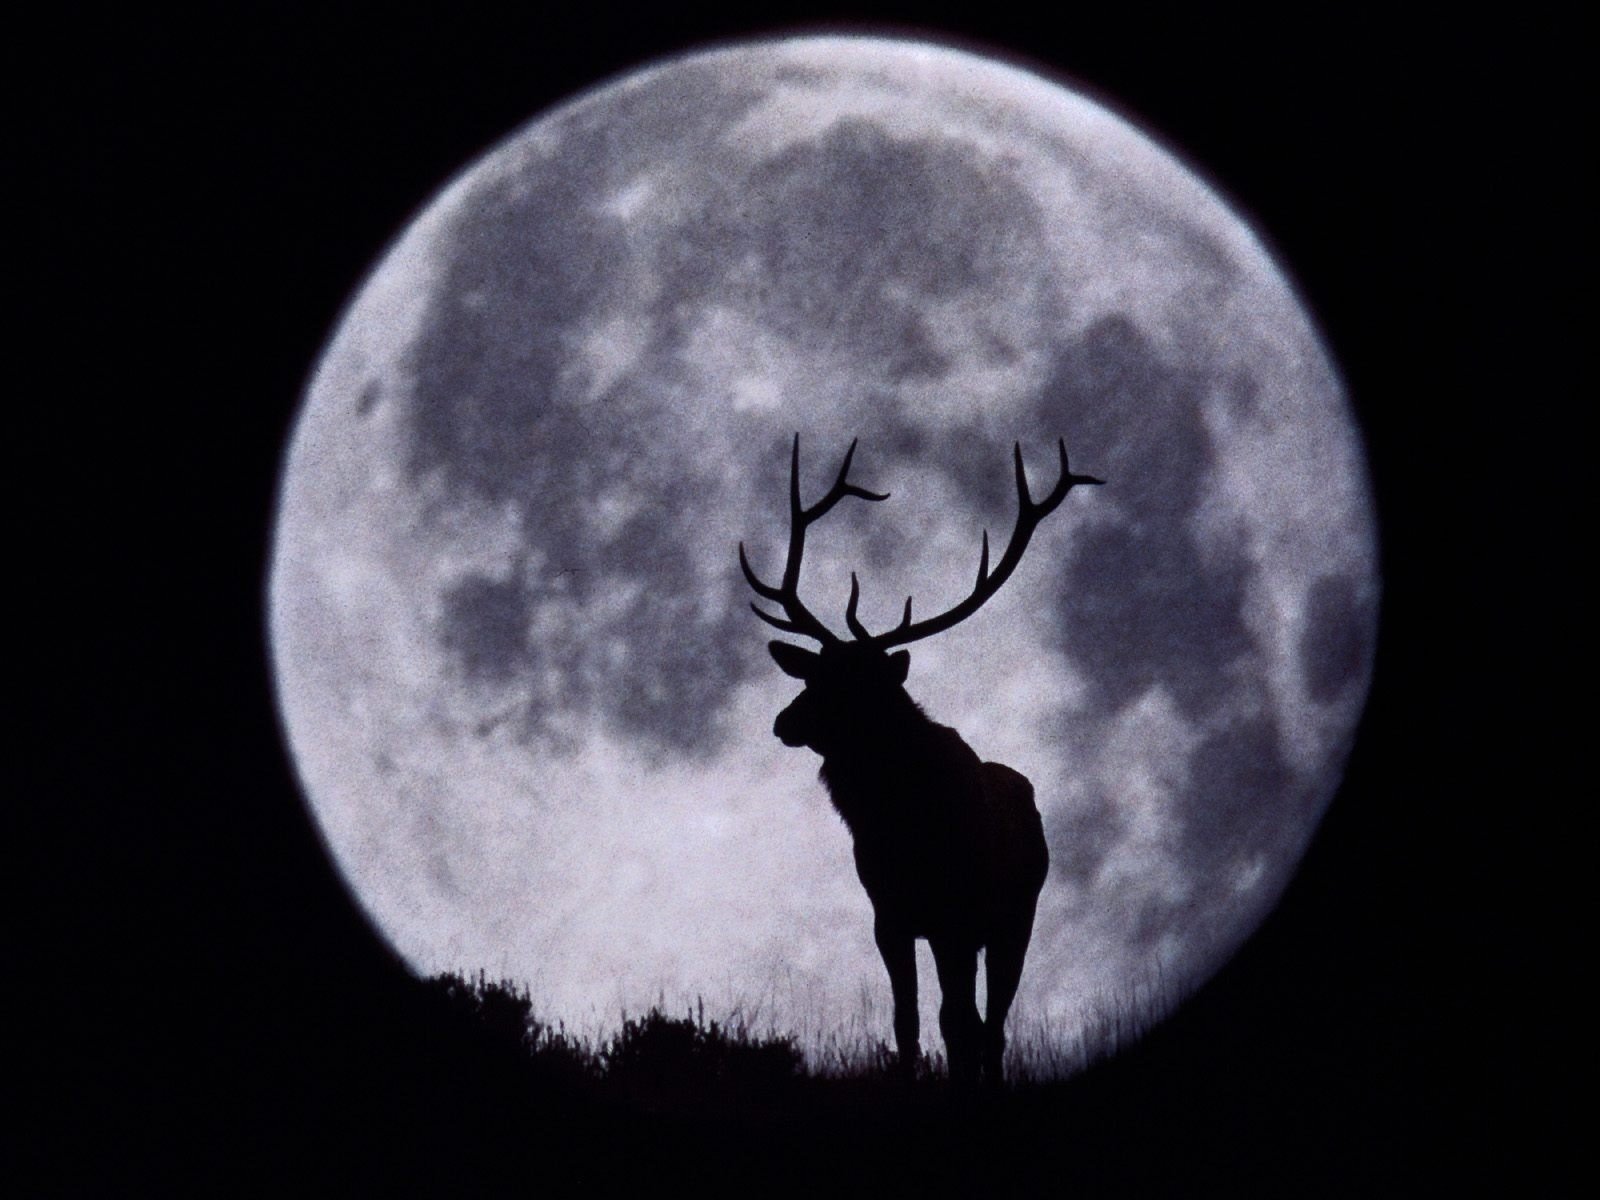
[957, 962]
[900, 957]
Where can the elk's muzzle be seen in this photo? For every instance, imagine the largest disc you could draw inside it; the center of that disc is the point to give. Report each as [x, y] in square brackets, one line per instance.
[788, 728]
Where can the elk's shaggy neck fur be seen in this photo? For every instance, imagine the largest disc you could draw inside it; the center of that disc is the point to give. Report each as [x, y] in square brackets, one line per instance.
[897, 768]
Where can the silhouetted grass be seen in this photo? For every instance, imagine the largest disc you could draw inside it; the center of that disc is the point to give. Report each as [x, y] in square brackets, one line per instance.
[1040, 1054]
[688, 1064]
[504, 1013]
[655, 1061]
[677, 1092]
[456, 1085]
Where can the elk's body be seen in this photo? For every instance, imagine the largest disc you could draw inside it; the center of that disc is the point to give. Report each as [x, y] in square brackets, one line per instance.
[949, 848]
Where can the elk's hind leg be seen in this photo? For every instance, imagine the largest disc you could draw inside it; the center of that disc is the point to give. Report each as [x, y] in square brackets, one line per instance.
[899, 951]
[1002, 972]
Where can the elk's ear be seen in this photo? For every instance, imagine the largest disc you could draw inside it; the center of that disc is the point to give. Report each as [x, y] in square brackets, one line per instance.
[793, 660]
[900, 665]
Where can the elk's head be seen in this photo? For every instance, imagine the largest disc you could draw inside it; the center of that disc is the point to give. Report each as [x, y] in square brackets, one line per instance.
[850, 687]
[854, 685]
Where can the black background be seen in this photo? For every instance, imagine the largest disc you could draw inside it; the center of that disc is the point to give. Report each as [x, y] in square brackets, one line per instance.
[209, 1003]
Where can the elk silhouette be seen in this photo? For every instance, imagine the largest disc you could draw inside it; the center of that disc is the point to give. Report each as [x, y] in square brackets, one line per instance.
[949, 848]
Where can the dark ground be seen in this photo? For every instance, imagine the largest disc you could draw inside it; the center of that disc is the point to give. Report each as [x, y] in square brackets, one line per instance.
[203, 1003]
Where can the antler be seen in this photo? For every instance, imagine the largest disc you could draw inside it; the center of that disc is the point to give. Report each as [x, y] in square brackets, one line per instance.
[800, 620]
[1029, 515]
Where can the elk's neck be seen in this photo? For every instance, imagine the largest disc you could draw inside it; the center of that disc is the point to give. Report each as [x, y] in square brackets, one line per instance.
[898, 768]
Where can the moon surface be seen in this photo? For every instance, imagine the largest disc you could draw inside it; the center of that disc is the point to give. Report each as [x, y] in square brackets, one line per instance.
[528, 702]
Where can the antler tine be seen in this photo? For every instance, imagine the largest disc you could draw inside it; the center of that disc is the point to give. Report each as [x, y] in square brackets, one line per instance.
[861, 632]
[780, 623]
[850, 619]
[765, 591]
[1029, 514]
[1063, 485]
[841, 488]
[800, 619]
[807, 625]
[1023, 499]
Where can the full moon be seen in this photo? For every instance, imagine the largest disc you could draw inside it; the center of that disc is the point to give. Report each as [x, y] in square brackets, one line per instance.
[527, 700]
